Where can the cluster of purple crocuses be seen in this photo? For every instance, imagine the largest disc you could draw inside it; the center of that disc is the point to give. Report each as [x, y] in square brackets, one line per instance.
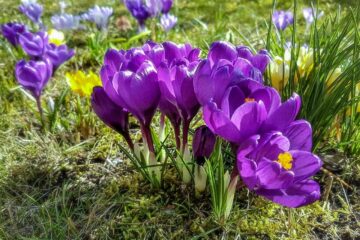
[274, 156]
[144, 9]
[45, 57]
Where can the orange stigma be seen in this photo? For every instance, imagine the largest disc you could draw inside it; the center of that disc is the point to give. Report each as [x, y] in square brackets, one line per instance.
[249, 99]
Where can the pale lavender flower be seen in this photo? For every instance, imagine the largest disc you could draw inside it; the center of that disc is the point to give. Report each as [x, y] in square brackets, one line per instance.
[66, 22]
[310, 14]
[168, 21]
[282, 19]
[99, 15]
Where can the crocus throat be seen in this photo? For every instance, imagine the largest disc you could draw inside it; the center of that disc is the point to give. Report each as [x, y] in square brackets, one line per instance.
[249, 99]
[285, 159]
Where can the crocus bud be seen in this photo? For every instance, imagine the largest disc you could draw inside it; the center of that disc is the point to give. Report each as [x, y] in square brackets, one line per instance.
[166, 6]
[203, 144]
[58, 54]
[138, 10]
[33, 75]
[34, 43]
[111, 114]
[12, 31]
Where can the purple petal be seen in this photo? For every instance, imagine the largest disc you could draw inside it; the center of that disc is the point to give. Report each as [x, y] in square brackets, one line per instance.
[284, 115]
[300, 135]
[219, 123]
[299, 194]
[304, 165]
[247, 169]
[232, 99]
[248, 118]
[221, 50]
[271, 176]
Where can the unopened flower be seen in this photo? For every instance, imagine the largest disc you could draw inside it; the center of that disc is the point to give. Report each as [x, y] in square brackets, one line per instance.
[99, 15]
[111, 114]
[176, 80]
[278, 165]
[138, 10]
[282, 19]
[56, 37]
[166, 6]
[33, 75]
[168, 21]
[32, 10]
[279, 73]
[34, 44]
[66, 22]
[333, 76]
[12, 31]
[82, 83]
[130, 80]
[203, 144]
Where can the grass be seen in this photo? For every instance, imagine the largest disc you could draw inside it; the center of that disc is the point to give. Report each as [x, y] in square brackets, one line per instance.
[74, 183]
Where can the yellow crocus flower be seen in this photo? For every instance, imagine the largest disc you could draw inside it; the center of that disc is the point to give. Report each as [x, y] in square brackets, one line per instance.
[305, 61]
[333, 76]
[56, 37]
[279, 73]
[81, 83]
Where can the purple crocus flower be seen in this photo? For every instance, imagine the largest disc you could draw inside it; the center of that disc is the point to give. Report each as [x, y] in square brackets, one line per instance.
[154, 7]
[32, 10]
[166, 6]
[99, 15]
[278, 165]
[58, 54]
[12, 31]
[34, 44]
[203, 144]
[66, 22]
[168, 21]
[175, 75]
[225, 66]
[282, 19]
[130, 80]
[138, 10]
[242, 111]
[34, 75]
[111, 114]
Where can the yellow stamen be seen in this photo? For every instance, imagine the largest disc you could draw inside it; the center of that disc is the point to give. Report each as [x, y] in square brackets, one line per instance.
[285, 159]
[249, 99]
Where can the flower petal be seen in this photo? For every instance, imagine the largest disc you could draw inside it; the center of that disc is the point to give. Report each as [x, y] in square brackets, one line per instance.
[304, 165]
[299, 194]
[284, 115]
[270, 175]
[300, 135]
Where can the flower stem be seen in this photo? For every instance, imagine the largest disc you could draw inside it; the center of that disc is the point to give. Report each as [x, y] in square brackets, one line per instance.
[41, 112]
[177, 135]
[186, 125]
[128, 140]
[146, 132]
